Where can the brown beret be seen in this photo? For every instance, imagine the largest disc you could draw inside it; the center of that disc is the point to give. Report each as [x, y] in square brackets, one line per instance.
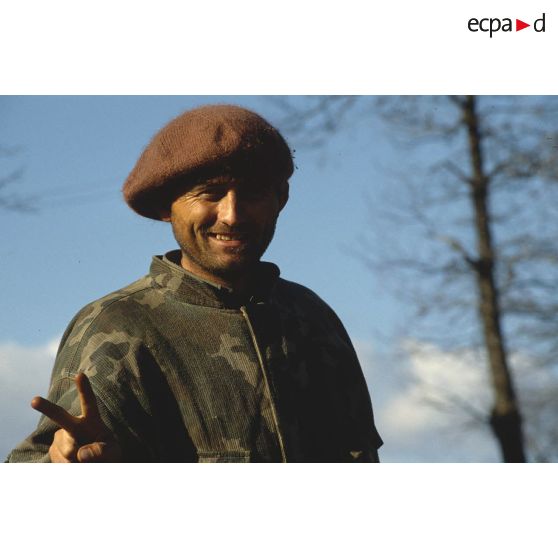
[200, 144]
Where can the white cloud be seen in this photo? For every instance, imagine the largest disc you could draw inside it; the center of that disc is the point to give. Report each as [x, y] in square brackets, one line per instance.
[431, 404]
[437, 378]
[24, 373]
[411, 393]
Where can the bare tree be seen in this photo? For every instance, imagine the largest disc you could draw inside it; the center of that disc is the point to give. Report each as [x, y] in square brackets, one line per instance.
[9, 177]
[485, 204]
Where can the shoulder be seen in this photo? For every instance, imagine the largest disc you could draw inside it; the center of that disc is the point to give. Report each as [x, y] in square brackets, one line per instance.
[113, 316]
[299, 294]
[131, 295]
[306, 302]
[290, 290]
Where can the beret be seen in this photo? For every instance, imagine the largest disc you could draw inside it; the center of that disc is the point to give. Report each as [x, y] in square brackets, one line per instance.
[200, 144]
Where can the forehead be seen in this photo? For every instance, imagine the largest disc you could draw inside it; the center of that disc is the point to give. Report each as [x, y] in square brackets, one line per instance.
[234, 181]
[222, 178]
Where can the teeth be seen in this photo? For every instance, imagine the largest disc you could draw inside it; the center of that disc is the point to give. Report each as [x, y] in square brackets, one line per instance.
[226, 237]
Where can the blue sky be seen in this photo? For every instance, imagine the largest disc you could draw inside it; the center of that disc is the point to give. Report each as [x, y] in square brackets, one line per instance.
[76, 153]
[83, 242]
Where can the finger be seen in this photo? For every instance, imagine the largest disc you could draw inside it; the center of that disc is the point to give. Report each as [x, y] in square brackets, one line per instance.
[56, 456]
[100, 452]
[66, 444]
[57, 414]
[88, 401]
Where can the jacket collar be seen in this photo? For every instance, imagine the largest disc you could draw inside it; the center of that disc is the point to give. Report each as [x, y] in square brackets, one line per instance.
[167, 273]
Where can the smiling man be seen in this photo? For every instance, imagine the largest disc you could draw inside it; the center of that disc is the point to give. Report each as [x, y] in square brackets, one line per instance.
[210, 357]
[224, 225]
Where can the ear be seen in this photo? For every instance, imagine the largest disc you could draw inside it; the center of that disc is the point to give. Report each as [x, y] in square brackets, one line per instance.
[165, 215]
[283, 194]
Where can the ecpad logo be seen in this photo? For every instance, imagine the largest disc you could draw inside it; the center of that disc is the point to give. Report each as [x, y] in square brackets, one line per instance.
[494, 24]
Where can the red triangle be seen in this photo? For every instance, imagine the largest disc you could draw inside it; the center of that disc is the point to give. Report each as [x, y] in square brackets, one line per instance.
[519, 25]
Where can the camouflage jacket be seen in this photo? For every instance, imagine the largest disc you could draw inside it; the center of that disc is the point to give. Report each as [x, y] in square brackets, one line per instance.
[185, 371]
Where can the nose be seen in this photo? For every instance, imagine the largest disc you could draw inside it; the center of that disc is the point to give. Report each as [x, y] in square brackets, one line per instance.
[230, 209]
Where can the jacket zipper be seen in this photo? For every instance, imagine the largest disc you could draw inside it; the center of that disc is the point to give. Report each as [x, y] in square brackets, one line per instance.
[265, 375]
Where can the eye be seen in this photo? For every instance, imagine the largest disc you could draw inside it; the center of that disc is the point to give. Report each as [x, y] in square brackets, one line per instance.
[211, 194]
[254, 193]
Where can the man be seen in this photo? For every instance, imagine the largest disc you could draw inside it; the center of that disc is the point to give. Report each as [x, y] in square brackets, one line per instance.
[211, 357]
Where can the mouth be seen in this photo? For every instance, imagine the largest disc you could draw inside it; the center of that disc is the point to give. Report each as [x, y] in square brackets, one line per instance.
[229, 239]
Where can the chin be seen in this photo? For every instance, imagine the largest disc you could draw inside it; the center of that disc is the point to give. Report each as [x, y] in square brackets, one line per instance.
[234, 267]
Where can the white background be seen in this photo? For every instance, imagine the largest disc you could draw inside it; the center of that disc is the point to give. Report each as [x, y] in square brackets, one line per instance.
[65, 47]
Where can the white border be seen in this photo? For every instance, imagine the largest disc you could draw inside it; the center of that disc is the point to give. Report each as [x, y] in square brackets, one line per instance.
[249, 47]
[276, 510]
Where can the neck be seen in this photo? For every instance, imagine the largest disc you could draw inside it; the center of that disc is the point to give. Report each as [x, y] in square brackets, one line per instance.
[239, 284]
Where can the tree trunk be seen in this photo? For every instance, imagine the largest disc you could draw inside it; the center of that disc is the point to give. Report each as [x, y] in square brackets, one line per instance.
[505, 419]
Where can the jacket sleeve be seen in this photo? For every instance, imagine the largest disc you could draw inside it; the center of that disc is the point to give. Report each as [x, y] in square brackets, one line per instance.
[359, 394]
[108, 357]
[63, 392]
[337, 376]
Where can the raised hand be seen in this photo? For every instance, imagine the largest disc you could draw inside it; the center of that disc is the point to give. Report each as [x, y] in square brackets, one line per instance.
[84, 438]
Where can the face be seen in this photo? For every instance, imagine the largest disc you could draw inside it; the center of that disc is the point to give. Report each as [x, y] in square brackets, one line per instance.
[223, 227]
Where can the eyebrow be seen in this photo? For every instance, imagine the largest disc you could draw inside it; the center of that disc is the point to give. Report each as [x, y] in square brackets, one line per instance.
[209, 186]
[217, 182]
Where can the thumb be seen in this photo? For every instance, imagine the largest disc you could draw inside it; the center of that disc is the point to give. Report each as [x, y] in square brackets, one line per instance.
[100, 452]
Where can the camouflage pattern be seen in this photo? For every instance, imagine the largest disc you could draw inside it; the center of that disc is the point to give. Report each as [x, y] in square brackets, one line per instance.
[185, 371]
